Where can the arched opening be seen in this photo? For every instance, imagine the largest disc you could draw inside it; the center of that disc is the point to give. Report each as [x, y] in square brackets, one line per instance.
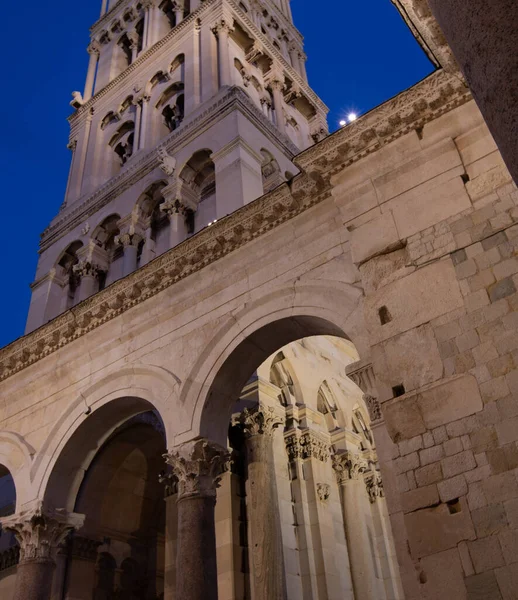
[105, 237]
[122, 145]
[324, 479]
[171, 106]
[66, 264]
[155, 221]
[199, 179]
[109, 470]
[9, 549]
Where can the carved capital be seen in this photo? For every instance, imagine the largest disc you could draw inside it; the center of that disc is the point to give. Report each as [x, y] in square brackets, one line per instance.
[129, 239]
[173, 207]
[374, 484]
[306, 445]
[94, 48]
[260, 421]
[348, 465]
[133, 38]
[86, 268]
[72, 145]
[198, 467]
[224, 26]
[40, 533]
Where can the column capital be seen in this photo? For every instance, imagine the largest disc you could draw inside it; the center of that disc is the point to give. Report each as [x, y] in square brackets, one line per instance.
[261, 420]
[223, 26]
[94, 48]
[306, 445]
[348, 465]
[198, 467]
[85, 268]
[129, 239]
[40, 532]
[173, 207]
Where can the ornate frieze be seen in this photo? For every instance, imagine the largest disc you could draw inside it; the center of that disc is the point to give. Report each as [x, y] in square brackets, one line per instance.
[306, 445]
[348, 465]
[198, 467]
[260, 421]
[40, 533]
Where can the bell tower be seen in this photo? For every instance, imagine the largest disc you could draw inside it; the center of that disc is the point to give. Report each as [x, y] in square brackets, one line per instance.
[191, 109]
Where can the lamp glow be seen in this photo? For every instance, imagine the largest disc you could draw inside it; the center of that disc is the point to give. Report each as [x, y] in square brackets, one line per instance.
[352, 117]
[343, 123]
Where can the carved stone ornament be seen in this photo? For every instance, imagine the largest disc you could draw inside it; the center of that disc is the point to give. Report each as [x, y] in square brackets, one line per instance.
[128, 239]
[198, 467]
[374, 484]
[323, 491]
[86, 268]
[374, 408]
[307, 445]
[260, 421]
[167, 162]
[348, 465]
[173, 207]
[40, 533]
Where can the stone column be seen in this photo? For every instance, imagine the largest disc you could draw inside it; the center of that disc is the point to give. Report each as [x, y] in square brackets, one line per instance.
[349, 468]
[198, 467]
[277, 86]
[177, 228]
[178, 11]
[88, 273]
[144, 103]
[267, 574]
[222, 30]
[130, 242]
[294, 56]
[94, 50]
[483, 38]
[133, 37]
[39, 534]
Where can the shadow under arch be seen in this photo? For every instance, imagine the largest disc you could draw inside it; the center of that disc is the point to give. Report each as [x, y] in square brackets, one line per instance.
[16, 458]
[80, 450]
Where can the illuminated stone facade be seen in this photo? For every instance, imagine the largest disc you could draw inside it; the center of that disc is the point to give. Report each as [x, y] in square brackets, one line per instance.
[323, 384]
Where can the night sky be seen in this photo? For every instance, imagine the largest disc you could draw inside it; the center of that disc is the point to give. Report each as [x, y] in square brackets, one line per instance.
[360, 54]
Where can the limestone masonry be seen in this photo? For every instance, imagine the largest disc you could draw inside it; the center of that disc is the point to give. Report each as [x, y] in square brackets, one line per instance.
[261, 361]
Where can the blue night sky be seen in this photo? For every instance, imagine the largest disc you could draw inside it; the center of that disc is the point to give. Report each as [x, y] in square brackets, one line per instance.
[360, 54]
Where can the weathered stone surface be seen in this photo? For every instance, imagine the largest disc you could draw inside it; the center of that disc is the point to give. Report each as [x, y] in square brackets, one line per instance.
[444, 576]
[374, 237]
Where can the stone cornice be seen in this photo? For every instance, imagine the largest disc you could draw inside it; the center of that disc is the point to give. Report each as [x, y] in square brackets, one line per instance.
[411, 110]
[408, 111]
[144, 163]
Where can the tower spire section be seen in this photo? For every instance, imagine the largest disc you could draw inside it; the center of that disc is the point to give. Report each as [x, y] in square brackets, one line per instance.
[219, 87]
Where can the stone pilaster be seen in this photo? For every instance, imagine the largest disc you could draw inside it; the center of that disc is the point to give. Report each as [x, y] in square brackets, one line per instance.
[267, 574]
[350, 469]
[222, 31]
[39, 534]
[198, 467]
[130, 241]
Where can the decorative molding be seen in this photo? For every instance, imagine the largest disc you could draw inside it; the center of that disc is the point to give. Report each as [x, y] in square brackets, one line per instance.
[348, 465]
[235, 231]
[323, 491]
[198, 467]
[40, 533]
[374, 408]
[306, 445]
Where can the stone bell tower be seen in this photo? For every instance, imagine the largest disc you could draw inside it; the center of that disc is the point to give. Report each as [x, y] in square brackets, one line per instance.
[191, 109]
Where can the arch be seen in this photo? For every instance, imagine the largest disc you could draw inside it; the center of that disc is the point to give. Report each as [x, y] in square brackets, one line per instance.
[172, 90]
[91, 419]
[109, 118]
[125, 104]
[16, 458]
[177, 63]
[252, 334]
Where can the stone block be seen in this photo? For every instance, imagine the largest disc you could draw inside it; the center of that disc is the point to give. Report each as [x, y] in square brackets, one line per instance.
[484, 439]
[378, 236]
[413, 445]
[500, 488]
[489, 520]
[428, 474]
[433, 530]
[421, 296]
[422, 497]
[509, 543]
[507, 578]
[486, 554]
[507, 431]
[511, 509]
[459, 463]
[444, 576]
[453, 446]
[403, 418]
[483, 587]
[451, 489]
[494, 389]
[476, 496]
[502, 289]
[501, 366]
[467, 341]
[406, 463]
[431, 455]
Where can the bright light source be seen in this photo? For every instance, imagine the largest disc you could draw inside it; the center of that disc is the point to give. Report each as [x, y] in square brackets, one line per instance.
[343, 123]
[352, 117]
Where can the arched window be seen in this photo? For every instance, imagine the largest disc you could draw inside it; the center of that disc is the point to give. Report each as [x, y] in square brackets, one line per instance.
[148, 207]
[171, 104]
[199, 176]
[124, 56]
[122, 142]
[104, 236]
[106, 567]
[280, 375]
[326, 405]
[360, 427]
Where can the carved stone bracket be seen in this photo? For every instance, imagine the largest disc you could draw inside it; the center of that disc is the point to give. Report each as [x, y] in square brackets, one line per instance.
[40, 533]
[198, 467]
[348, 465]
[374, 484]
[323, 491]
[362, 374]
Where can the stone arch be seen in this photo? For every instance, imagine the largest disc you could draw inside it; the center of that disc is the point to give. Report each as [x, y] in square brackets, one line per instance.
[255, 332]
[91, 419]
[16, 459]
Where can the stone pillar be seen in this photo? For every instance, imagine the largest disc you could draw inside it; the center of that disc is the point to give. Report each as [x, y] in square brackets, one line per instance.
[482, 36]
[267, 574]
[133, 37]
[177, 228]
[144, 104]
[198, 467]
[103, 7]
[94, 51]
[222, 30]
[150, 23]
[349, 469]
[88, 273]
[179, 11]
[294, 56]
[277, 86]
[39, 534]
[130, 242]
